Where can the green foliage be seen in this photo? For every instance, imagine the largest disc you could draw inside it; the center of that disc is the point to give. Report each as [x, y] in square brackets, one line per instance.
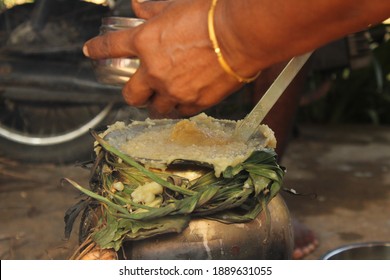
[238, 195]
[356, 96]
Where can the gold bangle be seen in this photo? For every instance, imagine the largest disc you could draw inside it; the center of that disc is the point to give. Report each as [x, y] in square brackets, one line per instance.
[217, 50]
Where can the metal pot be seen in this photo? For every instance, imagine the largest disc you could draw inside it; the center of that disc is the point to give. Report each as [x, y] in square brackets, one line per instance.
[360, 251]
[208, 239]
[268, 236]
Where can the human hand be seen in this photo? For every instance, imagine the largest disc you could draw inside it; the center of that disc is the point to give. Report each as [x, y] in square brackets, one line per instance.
[179, 69]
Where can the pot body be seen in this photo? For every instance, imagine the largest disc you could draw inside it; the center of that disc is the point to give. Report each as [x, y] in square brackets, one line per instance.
[207, 239]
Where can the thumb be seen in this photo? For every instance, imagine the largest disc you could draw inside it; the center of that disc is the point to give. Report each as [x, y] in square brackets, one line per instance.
[148, 8]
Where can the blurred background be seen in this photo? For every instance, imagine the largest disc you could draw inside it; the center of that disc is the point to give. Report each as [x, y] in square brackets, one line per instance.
[49, 95]
[50, 99]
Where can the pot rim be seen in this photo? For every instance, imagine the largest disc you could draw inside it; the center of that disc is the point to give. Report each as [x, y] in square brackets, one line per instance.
[344, 248]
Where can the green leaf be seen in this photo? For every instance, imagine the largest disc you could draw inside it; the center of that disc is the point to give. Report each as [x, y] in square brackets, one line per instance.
[239, 195]
[143, 230]
[106, 233]
[138, 166]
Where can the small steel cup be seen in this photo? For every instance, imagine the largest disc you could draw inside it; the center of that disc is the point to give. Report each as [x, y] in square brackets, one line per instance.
[116, 71]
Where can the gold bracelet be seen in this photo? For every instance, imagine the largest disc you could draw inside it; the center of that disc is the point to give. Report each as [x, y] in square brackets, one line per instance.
[217, 50]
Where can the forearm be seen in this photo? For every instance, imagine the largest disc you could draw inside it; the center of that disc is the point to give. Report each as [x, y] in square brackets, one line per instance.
[260, 33]
[179, 68]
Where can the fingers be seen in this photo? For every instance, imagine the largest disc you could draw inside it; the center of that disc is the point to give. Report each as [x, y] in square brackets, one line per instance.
[136, 91]
[190, 110]
[112, 44]
[146, 8]
[207, 98]
[163, 105]
[122, 43]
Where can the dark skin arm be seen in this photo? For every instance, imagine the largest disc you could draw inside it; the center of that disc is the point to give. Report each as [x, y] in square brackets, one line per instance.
[179, 69]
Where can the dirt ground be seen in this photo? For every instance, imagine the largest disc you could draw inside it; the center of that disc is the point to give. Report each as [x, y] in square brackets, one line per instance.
[342, 172]
[33, 204]
[348, 169]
